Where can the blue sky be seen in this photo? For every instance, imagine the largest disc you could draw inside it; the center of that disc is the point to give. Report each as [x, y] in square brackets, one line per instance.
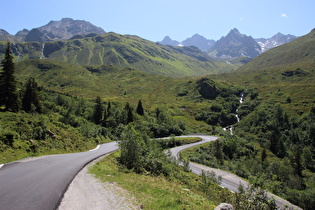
[179, 19]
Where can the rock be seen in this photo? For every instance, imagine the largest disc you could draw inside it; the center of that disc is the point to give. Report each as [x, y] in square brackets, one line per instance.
[224, 206]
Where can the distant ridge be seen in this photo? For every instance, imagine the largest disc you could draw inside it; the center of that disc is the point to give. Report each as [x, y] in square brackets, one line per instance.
[274, 41]
[238, 45]
[299, 53]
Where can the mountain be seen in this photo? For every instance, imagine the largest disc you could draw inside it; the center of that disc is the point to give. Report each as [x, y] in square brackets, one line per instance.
[121, 51]
[67, 28]
[56, 30]
[168, 41]
[5, 36]
[275, 41]
[199, 41]
[3, 32]
[282, 75]
[299, 53]
[22, 33]
[235, 44]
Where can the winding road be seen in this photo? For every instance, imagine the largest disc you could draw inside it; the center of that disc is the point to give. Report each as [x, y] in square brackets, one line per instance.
[40, 183]
[229, 180]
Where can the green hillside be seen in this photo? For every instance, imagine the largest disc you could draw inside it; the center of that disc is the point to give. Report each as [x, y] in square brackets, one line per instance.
[299, 53]
[284, 75]
[274, 142]
[123, 51]
[113, 83]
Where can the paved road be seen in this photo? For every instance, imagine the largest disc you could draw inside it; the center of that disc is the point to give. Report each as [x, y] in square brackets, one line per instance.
[229, 181]
[39, 183]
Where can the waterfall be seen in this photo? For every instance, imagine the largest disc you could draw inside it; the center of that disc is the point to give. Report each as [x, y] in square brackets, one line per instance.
[230, 127]
[17, 51]
[42, 54]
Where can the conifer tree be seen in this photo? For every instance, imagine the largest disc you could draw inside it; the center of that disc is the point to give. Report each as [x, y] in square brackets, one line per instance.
[30, 101]
[129, 113]
[140, 110]
[8, 85]
[108, 111]
[98, 111]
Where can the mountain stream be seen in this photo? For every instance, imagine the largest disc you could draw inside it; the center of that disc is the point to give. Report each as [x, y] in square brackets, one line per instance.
[230, 127]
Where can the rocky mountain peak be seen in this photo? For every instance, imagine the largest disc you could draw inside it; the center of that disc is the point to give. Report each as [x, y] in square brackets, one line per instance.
[3, 32]
[275, 41]
[168, 41]
[235, 44]
[67, 28]
[199, 41]
[23, 32]
[55, 30]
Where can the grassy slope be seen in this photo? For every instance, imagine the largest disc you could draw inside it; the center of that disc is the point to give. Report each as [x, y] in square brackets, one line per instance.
[124, 51]
[284, 75]
[111, 83]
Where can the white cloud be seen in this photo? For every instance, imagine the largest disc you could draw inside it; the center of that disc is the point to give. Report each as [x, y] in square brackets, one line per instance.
[283, 15]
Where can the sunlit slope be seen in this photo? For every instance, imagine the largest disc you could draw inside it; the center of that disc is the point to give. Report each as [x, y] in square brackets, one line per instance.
[284, 75]
[123, 51]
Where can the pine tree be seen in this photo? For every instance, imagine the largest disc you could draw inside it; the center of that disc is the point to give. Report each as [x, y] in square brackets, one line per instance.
[8, 85]
[140, 110]
[108, 111]
[30, 101]
[98, 111]
[129, 113]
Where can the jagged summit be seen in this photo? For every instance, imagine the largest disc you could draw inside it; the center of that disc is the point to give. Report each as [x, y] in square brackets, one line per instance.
[235, 44]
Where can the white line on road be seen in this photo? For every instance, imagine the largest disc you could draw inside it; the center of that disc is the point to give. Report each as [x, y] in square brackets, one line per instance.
[98, 146]
[1, 165]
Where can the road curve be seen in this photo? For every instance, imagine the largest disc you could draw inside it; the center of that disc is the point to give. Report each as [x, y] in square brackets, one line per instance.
[229, 181]
[39, 183]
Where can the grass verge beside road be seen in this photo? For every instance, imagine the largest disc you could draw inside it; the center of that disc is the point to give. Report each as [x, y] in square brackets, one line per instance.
[180, 191]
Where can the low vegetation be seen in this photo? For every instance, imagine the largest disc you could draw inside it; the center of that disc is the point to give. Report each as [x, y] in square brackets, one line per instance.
[159, 183]
[278, 149]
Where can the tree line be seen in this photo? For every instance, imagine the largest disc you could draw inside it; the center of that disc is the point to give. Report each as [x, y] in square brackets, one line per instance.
[11, 98]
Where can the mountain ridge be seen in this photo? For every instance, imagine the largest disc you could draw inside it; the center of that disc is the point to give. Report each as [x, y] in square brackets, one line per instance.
[264, 43]
[121, 51]
[67, 27]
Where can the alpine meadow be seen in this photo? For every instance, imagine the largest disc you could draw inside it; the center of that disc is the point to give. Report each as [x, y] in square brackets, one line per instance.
[68, 94]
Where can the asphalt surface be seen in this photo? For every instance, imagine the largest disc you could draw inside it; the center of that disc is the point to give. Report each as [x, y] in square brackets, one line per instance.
[229, 181]
[40, 183]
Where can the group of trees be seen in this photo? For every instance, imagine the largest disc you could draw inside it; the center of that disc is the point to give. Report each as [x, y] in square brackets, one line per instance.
[10, 95]
[113, 116]
[270, 144]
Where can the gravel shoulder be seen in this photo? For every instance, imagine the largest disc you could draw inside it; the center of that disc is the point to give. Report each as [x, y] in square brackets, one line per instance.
[87, 192]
